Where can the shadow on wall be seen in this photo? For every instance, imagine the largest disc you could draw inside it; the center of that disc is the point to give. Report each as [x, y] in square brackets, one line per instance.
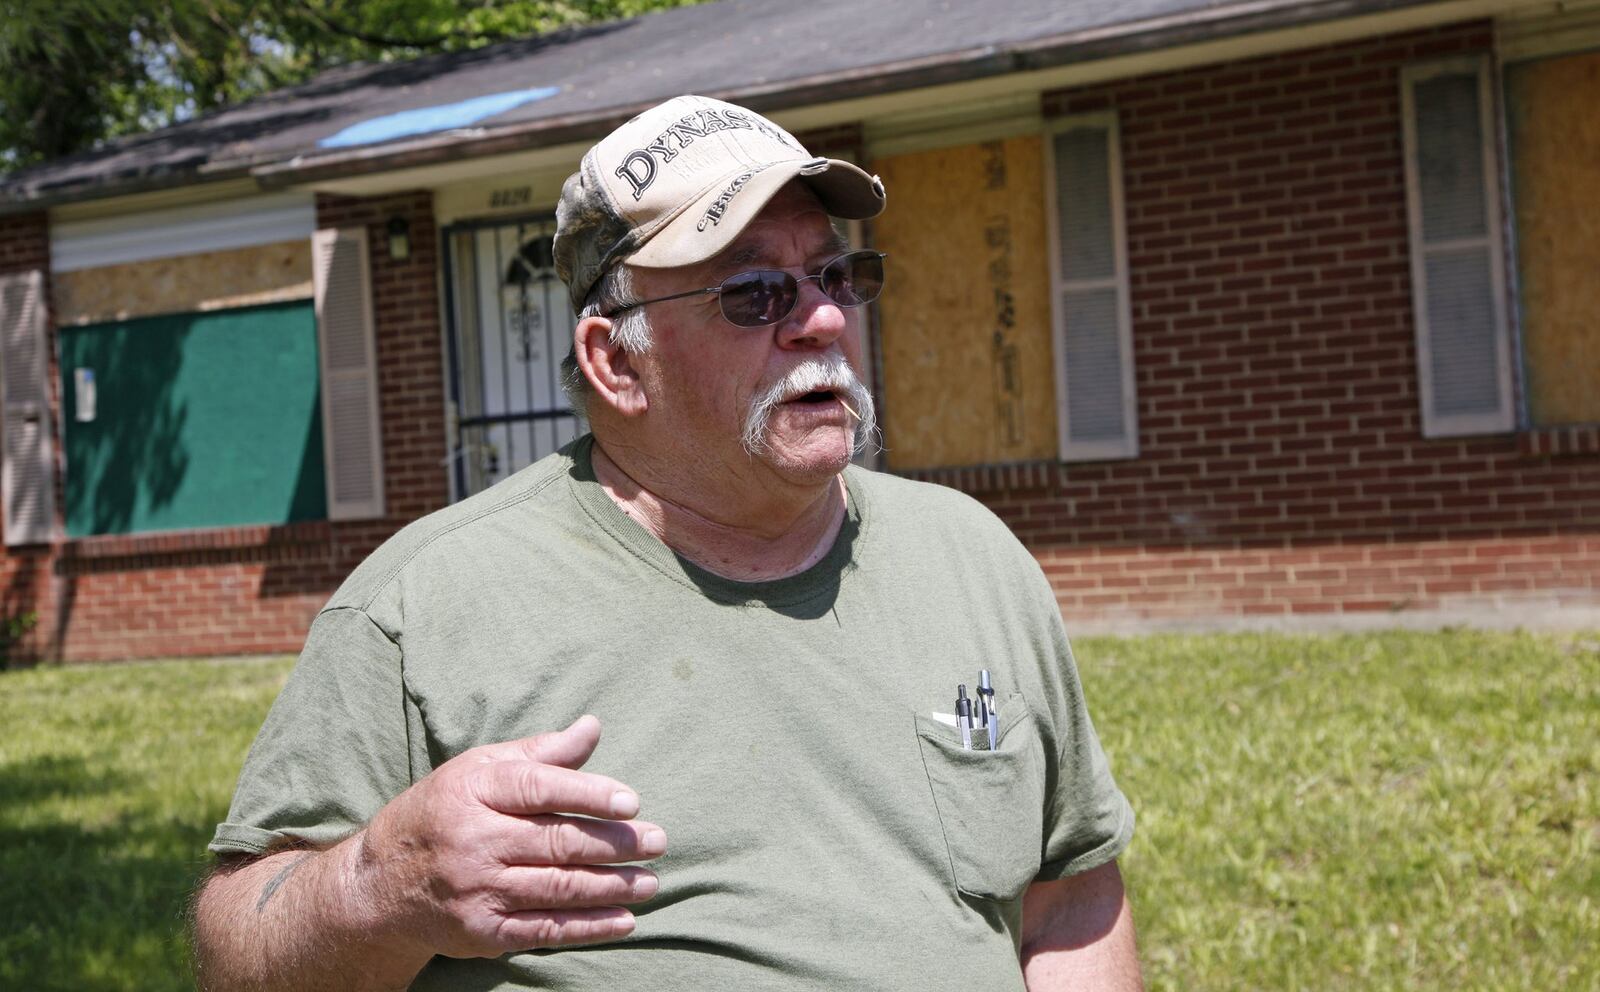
[200, 420]
[308, 499]
[135, 437]
[133, 447]
[19, 608]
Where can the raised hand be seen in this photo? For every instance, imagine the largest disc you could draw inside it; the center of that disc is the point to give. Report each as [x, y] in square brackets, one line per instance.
[508, 847]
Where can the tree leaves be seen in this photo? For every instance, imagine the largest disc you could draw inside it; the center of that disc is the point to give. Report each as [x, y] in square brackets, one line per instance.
[74, 73]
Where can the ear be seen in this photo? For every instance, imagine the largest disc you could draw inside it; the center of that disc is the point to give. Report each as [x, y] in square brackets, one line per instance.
[608, 367]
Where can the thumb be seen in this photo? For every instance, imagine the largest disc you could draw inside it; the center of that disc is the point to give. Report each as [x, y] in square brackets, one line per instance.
[569, 748]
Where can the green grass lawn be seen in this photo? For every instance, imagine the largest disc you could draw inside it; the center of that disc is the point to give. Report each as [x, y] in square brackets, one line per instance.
[111, 779]
[1391, 811]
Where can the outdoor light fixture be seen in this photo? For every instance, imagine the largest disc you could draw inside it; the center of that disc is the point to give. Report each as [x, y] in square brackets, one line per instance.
[399, 239]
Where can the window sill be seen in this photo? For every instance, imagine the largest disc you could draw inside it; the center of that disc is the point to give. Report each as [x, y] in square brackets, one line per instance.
[1557, 442]
[250, 536]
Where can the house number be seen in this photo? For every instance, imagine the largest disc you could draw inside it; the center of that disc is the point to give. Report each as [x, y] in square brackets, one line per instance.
[516, 196]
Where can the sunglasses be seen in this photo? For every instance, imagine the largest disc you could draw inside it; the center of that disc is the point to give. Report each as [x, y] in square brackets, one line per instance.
[765, 296]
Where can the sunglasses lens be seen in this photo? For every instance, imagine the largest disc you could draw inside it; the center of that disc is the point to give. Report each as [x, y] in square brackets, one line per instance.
[765, 296]
[853, 279]
[754, 299]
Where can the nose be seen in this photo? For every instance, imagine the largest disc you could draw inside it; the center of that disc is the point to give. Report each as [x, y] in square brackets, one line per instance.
[816, 321]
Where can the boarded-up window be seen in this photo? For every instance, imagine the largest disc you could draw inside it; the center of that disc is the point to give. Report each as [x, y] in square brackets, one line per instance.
[1457, 270]
[194, 420]
[27, 476]
[219, 280]
[965, 313]
[1551, 110]
[1093, 335]
[349, 373]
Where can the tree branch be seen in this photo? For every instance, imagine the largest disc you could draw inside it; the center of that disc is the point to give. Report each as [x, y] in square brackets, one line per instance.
[376, 40]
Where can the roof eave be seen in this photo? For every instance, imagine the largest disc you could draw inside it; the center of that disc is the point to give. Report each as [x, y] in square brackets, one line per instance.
[954, 67]
[123, 184]
[274, 172]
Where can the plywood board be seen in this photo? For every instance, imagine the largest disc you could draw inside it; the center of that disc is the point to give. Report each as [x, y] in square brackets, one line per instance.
[1555, 142]
[965, 314]
[217, 280]
[195, 420]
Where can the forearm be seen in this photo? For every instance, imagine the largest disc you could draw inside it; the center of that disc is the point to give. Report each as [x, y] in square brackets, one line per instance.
[299, 919]
[505, 847]
[1078, 935]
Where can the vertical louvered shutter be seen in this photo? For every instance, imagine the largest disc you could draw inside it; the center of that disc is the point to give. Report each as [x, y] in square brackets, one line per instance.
[1093, 335]
[1457, 269]
[348, 352]
[27, 477]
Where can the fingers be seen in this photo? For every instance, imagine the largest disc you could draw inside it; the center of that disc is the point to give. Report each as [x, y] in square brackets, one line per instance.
[568, 840]
[524, 788]
[569, 748]
[523, 887]
[551, 928]
[590, 901]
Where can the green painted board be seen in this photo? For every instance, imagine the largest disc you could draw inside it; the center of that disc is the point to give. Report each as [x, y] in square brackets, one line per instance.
[201, 420]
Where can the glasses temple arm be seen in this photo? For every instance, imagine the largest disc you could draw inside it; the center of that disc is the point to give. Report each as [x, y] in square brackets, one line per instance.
[661, 299]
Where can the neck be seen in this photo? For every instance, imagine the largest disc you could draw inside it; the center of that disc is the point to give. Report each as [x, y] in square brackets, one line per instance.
[771, 535]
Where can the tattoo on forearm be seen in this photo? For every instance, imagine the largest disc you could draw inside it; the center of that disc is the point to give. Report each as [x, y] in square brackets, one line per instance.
[277, 881]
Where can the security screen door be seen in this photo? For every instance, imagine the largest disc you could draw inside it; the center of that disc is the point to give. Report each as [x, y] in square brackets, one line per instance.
[510, 327]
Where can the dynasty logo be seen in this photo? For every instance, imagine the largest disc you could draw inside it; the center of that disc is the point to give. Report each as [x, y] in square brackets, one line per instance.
[639, 167]
[720, 205]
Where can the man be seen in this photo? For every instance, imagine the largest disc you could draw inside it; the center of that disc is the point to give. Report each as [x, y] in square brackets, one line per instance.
[768, 635]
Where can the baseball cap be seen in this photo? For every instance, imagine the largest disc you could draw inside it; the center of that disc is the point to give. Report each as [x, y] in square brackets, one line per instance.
[676, 184]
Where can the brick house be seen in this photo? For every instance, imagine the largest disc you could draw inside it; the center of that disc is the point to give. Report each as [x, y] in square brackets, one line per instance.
[1237, 314]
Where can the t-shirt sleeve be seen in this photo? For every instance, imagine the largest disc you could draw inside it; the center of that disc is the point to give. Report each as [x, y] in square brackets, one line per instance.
[1088, 821]
[334, 747]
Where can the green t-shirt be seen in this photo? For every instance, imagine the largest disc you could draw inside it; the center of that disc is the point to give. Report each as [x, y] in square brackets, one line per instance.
[825, 829]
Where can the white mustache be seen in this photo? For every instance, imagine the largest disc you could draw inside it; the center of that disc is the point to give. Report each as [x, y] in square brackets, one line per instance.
[830, 372]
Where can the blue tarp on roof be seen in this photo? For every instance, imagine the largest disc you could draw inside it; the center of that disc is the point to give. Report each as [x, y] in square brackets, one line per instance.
[424, 120]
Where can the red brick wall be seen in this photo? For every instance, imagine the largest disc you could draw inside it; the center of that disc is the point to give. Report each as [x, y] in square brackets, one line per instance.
[242, 590]
[1282, 468]
[24, 242]
[249, 589]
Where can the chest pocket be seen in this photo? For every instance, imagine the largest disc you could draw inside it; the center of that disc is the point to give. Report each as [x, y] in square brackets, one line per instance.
[990, 803]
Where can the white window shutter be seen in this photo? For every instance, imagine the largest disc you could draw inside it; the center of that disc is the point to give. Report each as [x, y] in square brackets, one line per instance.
[1457, 265]
[27, 477]
[1095, 401]
[352, 440]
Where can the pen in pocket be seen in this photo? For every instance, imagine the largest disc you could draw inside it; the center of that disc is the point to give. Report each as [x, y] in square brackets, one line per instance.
[964, 716]
[991, 716]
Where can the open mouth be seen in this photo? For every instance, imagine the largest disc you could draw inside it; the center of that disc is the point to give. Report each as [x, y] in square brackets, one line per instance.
[815, 396]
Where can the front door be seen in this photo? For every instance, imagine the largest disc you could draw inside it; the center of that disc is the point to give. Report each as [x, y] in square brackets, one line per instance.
[510, 327]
